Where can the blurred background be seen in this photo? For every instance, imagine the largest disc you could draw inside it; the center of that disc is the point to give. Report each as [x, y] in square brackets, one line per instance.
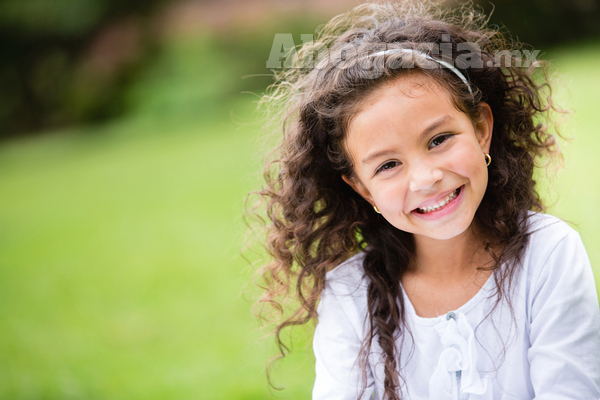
[128, 141]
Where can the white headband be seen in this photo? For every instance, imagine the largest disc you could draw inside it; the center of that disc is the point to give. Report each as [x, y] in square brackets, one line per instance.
[443, 63]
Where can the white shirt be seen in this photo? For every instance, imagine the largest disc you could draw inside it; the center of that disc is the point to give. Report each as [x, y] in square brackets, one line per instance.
[548, 349]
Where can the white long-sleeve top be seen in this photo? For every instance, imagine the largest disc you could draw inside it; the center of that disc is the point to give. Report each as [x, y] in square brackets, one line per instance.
[547, 349]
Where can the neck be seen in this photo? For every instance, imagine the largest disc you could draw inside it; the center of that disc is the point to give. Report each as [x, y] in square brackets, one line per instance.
[449, 260]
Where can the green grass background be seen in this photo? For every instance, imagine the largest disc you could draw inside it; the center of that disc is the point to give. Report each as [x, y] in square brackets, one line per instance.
[120, 274]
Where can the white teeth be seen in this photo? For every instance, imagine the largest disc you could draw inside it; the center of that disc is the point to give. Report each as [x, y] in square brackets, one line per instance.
[440, 203]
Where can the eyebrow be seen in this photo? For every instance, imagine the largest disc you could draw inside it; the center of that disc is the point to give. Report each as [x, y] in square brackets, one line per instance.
[437, 123]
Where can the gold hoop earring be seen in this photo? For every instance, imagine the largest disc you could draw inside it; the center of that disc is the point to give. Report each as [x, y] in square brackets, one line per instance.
[376, 209]
[488, 159]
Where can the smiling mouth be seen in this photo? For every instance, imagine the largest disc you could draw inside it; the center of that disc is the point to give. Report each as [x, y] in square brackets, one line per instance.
[440, 203]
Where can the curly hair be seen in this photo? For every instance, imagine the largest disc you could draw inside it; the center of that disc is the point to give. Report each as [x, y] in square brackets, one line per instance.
[315, 220]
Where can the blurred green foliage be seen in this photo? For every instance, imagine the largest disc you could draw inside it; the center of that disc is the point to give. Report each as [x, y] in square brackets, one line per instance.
[185, 77]
[193, 75]
[60, 17]
[543, 23]
[42, 73]
[72, 62]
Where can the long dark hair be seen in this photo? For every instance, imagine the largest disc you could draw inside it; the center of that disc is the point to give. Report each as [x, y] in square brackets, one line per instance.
[314, 220]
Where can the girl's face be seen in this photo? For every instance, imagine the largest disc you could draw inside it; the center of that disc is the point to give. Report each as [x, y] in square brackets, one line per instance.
[419, 159]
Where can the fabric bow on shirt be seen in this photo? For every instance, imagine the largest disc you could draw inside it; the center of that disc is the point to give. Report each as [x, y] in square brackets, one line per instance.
[456, 376]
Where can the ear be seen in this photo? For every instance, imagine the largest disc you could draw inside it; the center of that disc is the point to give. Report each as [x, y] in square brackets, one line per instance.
[359, 188]
[484, 126]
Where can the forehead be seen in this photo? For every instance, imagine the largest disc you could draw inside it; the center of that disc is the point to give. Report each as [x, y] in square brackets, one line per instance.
[405, 104]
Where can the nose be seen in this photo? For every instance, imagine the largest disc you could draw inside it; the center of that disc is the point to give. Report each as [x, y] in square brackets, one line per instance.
[423, 176]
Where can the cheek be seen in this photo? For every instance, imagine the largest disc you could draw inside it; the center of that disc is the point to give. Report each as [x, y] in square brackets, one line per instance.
[390, 194]
[468, 165]
[468, 161]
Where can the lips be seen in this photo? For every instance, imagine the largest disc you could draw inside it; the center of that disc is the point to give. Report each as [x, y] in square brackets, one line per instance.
[439, 203]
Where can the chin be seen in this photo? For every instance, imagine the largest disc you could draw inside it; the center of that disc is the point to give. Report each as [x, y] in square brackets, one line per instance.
[451, 230]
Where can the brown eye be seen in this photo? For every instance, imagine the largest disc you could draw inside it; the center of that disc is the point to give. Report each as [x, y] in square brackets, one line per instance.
[388, 165]
[438, 140]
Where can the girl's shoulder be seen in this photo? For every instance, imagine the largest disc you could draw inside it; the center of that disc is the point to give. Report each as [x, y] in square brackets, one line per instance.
[344, 298]
[349, 276]
[555, 250]
[546, 224]
[546, 232]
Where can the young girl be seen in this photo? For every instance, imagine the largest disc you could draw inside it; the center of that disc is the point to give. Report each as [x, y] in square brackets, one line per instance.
[404, 216]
